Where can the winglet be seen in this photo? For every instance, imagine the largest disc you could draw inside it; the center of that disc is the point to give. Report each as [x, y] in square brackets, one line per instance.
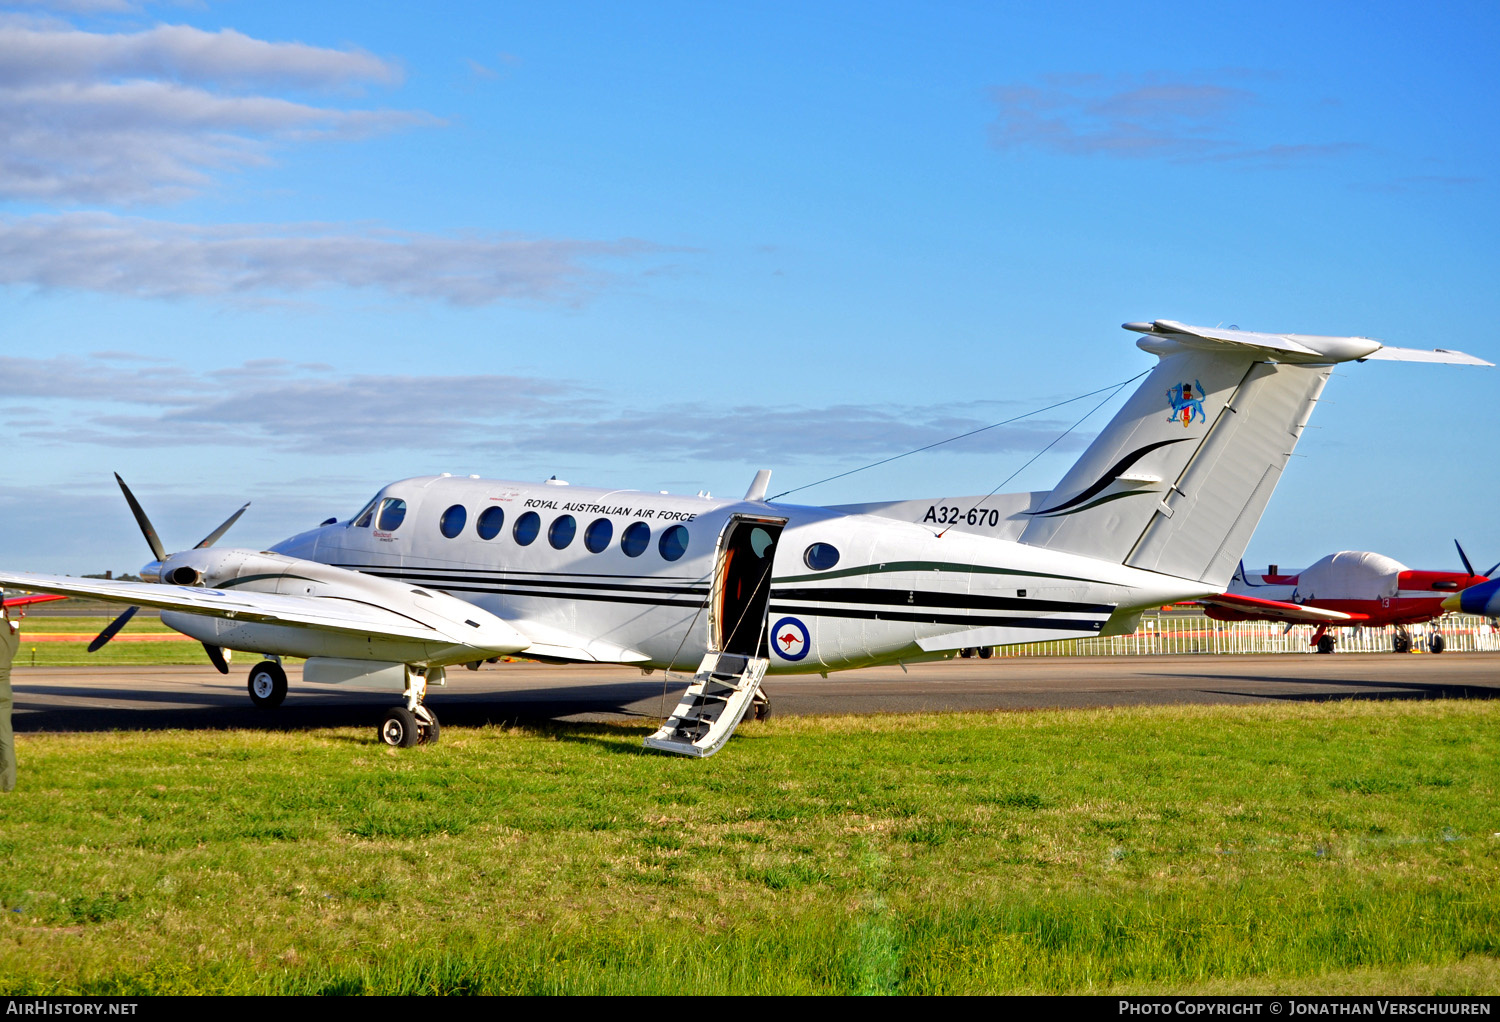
[759, 485]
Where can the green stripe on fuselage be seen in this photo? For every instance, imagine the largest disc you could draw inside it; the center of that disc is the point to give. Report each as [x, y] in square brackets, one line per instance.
[890, 566]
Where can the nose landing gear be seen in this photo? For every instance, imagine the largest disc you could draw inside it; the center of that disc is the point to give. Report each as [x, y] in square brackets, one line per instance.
[403, 728]
[412, 723]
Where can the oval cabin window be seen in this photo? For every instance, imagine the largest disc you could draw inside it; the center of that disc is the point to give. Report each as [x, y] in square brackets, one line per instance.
[635, 539]
[597, 536]
[527, 527]
[489, 523]
[674, 542]
[562, 531]
[821, 556]
[452, 522]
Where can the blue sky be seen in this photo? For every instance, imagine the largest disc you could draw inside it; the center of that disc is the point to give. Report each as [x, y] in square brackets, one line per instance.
[288, 253]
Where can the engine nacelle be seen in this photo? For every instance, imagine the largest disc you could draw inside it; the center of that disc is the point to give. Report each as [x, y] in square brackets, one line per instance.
[437, 629]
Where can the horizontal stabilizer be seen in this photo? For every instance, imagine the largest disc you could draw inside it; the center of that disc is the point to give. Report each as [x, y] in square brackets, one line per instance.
[1165, 335]
[1276, 610]
[1389, 354]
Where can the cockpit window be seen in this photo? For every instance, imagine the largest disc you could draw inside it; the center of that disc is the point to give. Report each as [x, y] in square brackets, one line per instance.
[392, 514]
[362, 520]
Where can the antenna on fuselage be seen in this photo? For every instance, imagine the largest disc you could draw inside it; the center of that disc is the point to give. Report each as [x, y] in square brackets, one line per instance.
[759, 485]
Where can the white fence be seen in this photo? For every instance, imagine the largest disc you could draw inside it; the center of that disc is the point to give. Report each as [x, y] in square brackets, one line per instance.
[1197, 633]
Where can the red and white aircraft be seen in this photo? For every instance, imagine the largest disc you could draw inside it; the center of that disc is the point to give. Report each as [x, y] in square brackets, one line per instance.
[1352, 588]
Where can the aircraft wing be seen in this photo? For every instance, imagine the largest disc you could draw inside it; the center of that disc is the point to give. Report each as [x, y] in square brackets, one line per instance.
[329, 613]
[549, 642]
[1276, 610]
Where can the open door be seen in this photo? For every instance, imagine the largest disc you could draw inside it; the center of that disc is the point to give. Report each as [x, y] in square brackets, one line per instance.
[729, 677]
[742, 585]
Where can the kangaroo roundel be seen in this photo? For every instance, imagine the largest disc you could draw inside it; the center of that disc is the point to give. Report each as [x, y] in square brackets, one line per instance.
[790, 639]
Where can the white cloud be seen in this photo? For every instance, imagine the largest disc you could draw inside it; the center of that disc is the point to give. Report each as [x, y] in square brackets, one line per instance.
[1186, 119]
[30, 56]
[154, 259]
[276, 405]
[151, 116]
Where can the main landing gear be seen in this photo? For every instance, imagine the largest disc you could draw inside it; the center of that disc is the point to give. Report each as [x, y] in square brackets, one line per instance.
[412, 723]
[1401, 640]
[267, 684]
[1323, 640]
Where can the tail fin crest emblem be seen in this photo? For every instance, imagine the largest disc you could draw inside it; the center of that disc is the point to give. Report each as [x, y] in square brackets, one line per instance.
[1185, 405]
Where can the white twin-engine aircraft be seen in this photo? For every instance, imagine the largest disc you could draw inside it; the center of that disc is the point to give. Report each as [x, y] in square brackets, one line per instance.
[440, 571]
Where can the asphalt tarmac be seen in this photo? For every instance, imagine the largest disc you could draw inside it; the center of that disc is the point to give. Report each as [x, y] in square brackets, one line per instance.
[149, 698]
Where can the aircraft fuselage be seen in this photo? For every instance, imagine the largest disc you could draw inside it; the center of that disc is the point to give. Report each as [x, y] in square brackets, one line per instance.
[877, 589]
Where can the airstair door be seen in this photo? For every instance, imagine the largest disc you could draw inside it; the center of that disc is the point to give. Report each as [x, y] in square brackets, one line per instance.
[729, 677]
[742, 586]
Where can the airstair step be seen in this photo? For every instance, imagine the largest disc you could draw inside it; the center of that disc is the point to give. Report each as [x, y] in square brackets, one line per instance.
[713, 705]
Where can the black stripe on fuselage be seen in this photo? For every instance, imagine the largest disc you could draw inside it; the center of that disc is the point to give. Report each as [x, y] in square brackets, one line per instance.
[1047, 623]
[421, 577]
[880, 598]
[914, 597]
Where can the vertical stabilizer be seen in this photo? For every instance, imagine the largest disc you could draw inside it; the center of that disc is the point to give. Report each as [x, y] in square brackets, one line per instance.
[1179, 478]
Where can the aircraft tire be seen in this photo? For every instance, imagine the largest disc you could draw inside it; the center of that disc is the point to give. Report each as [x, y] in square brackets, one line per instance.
[1436, 643]
[1401, 643]
[985, 652]
[966, 652]
[761, 709]
[1325, 644]
[267, 684]
[400, 729]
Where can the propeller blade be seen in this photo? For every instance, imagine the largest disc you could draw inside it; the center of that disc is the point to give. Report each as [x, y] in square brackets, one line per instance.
[1491, 572]
[213, 537]
[1464, 557]
[216, 655]
[152, 539]
[111, 628]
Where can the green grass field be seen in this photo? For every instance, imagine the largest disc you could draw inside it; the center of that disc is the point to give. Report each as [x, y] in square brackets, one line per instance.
[1316, 848]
